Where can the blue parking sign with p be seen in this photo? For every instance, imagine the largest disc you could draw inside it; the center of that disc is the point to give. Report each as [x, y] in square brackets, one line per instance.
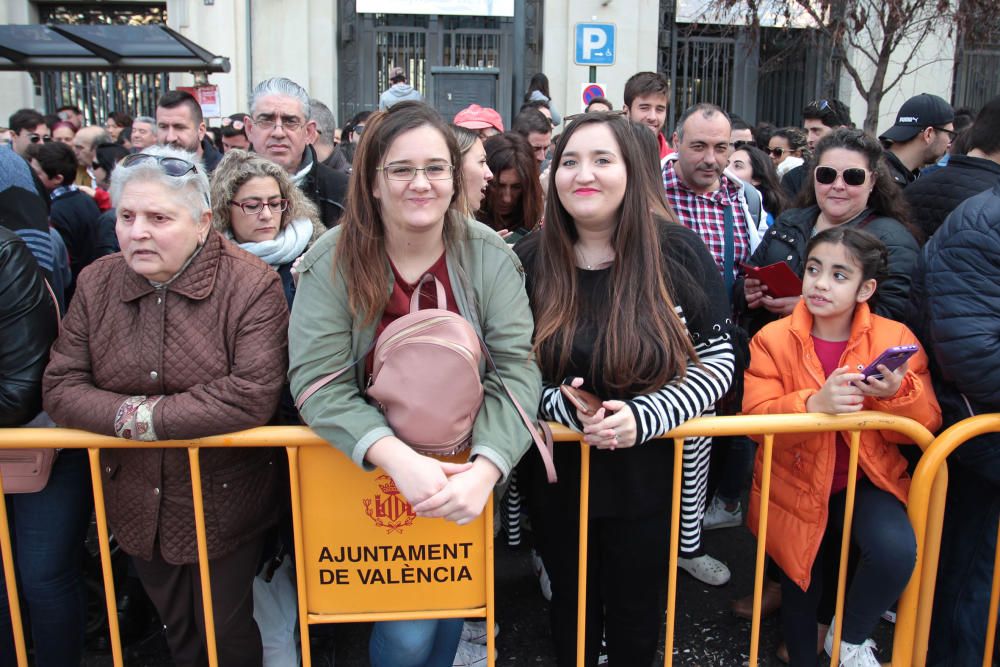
[595, 44]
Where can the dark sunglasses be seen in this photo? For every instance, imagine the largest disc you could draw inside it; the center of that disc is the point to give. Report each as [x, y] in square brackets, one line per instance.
[776, 152]
[951, 133]
[737, 145]
[171, 166]
[853, 176]
[35, 138]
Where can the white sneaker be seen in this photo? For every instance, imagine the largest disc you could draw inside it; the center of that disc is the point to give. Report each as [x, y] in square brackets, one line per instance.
[475, 632]
[469, 655]
[717, 516]
[705, 569]
[853, 655]
[543, 577]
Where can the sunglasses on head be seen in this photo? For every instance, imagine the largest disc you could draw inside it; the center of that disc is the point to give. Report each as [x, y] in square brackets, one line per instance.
[171, 166]
[853, 176]
[737, 145]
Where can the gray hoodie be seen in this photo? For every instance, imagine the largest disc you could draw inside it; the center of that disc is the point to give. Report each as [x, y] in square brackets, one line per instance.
[397, 93]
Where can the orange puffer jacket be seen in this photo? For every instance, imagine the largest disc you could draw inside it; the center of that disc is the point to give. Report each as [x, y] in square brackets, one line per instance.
[784, 372]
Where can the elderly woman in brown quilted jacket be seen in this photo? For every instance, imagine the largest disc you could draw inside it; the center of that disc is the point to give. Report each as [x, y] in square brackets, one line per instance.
[181, 335]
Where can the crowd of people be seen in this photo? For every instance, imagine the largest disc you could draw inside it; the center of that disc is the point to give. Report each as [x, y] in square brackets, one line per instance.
[167, 280]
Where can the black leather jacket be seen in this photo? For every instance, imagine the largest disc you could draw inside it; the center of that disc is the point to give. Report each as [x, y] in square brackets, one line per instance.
[28, 325]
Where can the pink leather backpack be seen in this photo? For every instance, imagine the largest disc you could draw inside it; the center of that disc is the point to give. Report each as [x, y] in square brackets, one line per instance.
[425, 379]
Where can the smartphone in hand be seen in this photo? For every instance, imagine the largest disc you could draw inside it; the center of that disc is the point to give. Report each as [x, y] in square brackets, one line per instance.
[892, 359]
[584, 401]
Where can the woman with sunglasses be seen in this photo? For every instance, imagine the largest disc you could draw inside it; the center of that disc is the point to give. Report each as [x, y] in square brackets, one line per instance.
[787, 148]
[256, 205]
[404, 220]
[849, 184]
[181, 335]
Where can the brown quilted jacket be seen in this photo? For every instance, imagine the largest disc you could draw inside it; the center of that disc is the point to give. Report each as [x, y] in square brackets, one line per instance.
[214, 343]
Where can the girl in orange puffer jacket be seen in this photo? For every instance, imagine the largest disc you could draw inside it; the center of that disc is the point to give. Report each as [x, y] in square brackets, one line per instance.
[810, 361]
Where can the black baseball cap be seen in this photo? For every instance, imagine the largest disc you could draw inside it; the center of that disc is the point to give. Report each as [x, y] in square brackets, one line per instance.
[924, 110]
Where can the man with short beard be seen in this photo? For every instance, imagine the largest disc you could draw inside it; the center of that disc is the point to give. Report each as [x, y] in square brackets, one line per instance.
[281, 128]
[179, 123]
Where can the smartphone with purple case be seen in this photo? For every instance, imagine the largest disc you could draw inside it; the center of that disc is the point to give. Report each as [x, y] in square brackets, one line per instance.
[892, 359]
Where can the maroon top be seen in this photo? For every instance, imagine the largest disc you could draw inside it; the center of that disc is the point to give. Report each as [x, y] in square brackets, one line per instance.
[829, 354]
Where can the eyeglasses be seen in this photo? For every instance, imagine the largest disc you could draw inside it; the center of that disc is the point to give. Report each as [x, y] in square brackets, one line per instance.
[433, 172]
[737, 145]
[255, 206]
[171, 166]
[235, 124]
[951, 133]
[35, 138]
[776, 152]
[289, 124]
[854, 176]
[358, 129]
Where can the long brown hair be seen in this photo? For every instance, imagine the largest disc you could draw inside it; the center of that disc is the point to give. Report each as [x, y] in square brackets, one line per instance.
[512, 151]
[644, 345]
[361, 254]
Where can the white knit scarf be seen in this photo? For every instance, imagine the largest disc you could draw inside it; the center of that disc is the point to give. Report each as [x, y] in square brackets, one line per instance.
[286, 246]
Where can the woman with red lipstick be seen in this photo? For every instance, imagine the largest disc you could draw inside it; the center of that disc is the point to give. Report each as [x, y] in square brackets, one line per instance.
[630, 307]
[256, 205]
[514, 200]
[811, 362]
[849, 185]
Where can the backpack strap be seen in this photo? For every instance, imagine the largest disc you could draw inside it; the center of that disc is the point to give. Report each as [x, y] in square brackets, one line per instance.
[327, 379]
[540, 432]
[442, 298]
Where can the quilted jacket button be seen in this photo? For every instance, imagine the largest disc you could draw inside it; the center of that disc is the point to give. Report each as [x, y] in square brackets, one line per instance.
[225, 485]
[108, 470]
[156, 491]
[153, 374]
[159, 300]
[789, 258]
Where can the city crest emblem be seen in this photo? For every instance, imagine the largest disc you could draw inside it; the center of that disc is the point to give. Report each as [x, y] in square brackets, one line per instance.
[388, 509]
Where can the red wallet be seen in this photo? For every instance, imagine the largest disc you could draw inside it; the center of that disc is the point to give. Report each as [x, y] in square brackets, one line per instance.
[779, 278]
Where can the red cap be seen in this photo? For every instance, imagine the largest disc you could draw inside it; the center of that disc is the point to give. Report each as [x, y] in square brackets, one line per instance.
[475, 117]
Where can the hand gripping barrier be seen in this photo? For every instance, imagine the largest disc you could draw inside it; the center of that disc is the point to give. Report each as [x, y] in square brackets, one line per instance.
[360, 552]
[926, 509]
[761, 425]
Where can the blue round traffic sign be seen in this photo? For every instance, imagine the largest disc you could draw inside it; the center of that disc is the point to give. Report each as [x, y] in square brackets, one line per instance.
[592, 91]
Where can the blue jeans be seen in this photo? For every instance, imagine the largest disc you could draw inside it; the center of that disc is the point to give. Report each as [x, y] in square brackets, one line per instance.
[430, 643]
[968, 543]
[48, 530]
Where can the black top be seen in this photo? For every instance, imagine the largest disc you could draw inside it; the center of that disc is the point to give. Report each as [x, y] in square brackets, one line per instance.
[637, 481]
[935, 195]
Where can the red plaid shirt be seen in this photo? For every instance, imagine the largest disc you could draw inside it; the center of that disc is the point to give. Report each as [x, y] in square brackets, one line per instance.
[704, 214]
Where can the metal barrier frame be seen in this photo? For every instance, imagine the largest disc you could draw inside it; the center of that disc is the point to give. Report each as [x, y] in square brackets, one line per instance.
[928, 494]
[290, 438]
[762, 425]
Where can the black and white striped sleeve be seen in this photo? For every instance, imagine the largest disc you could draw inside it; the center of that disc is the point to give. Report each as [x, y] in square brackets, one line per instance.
[555, 408]
[669, 407]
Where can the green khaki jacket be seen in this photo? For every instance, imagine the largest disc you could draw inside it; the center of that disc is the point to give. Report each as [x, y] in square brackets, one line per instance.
[324, 337]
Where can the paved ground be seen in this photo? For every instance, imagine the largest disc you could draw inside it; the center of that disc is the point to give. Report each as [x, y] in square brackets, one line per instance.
[707, 635]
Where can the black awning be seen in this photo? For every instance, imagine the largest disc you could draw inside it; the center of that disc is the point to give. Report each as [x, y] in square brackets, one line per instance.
[114, 48]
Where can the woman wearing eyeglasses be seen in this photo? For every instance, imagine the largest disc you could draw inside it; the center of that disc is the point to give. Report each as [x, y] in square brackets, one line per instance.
[849, 184]
[181, 335]
[256, 204]
[404, 219]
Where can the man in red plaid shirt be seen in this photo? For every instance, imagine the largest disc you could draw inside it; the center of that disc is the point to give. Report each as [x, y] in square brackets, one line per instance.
[700, 192]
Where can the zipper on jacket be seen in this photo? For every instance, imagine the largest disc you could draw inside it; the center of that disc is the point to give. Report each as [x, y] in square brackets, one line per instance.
[426, 324]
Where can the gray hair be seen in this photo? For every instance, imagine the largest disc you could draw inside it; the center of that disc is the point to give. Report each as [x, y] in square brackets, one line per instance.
[279, 85]
[325, 122]
[192, 188]
[707, 111]
[148, 120]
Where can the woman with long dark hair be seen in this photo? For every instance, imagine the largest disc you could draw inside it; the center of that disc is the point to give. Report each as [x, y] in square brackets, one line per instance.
[753, 166]
[514, 199]
[631, 308]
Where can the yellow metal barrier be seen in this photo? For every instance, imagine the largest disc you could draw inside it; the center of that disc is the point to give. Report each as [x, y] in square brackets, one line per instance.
[926, 509]
[761, 425]
[442, 571]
